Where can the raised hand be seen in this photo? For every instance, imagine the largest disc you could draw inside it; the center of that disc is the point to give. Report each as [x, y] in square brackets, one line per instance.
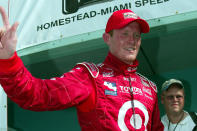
[8, 37]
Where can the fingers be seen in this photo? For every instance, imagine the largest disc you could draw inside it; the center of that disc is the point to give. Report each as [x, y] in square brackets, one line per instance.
[1, 46]
[4, 17]
[13, 29]
[9, 35]
[2, 31]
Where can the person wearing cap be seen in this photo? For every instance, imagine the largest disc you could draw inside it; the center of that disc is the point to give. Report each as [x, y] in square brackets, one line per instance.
[108, 96]
[173, 99]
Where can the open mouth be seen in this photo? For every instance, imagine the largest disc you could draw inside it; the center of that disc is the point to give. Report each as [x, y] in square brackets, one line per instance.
[130, 49]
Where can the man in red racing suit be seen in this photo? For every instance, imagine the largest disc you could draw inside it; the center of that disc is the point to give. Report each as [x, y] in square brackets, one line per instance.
[109, 96]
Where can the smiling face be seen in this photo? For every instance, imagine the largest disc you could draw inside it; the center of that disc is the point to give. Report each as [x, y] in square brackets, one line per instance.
[173, 100]
[125, 42]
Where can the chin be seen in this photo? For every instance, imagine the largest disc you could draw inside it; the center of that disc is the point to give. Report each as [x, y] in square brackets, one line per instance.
[131, 58]
[176, 110]
[128, 59]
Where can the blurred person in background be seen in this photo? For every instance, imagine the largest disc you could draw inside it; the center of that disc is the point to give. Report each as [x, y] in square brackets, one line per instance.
[173, 99]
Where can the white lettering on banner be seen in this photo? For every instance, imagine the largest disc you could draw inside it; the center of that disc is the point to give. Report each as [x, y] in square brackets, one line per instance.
[139, 3]
[123, 112]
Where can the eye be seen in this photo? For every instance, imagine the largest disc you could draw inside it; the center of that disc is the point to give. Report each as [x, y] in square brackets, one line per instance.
[125, 33]
[136, 35]
[170, 97]
[179, 96]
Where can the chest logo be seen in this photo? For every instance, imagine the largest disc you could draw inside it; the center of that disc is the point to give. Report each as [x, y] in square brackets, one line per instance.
[127, 120]
[111, 88]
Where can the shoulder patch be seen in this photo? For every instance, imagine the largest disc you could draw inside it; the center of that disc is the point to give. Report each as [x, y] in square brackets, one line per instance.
[92, 68]
[147, 81]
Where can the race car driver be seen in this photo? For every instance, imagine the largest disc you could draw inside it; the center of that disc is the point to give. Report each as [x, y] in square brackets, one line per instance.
[108, 96]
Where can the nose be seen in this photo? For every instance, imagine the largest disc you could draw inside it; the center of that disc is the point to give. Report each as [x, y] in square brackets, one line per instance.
[130, 38]
[176, 98]
[135, 36]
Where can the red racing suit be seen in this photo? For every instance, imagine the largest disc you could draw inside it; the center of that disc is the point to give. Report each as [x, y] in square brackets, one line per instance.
[110, 96]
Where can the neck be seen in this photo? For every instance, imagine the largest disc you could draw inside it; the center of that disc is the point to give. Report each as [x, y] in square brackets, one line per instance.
[176, 117]
[123, 60]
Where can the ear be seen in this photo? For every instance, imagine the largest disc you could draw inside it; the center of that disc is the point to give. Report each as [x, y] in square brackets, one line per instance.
[106, 38]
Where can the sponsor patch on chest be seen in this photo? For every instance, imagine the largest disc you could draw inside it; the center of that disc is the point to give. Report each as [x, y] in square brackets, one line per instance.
[111, 88]
[134, 90]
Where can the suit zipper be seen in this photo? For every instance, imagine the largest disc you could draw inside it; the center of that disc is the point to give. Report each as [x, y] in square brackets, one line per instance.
[132, 102]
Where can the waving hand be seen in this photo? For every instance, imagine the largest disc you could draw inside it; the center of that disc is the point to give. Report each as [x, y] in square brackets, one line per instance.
[8, 38]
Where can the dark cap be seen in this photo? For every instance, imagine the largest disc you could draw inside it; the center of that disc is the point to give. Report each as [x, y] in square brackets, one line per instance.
[121, 18]
[168, 83]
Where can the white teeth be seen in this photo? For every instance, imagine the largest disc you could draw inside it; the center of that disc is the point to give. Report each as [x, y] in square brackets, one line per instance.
[130, 49]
